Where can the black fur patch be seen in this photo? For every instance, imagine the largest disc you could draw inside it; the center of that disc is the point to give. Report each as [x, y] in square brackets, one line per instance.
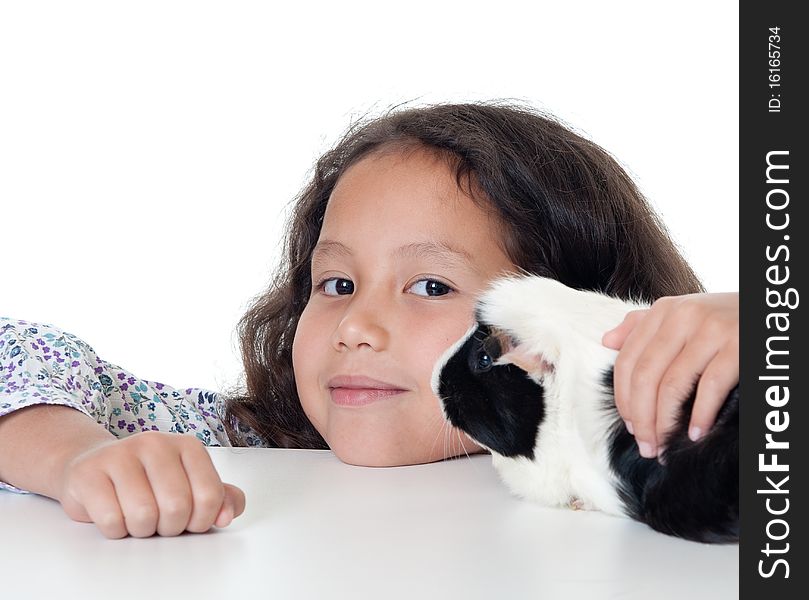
[695, 494]
[498, 406]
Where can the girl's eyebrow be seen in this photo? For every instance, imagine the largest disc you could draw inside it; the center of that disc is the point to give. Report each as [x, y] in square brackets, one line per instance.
[438, 252]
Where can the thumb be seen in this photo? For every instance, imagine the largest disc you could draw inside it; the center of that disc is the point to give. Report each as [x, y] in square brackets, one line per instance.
[236, 498]
[232, 506]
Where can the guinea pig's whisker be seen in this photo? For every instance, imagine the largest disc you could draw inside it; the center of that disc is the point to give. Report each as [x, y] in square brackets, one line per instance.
[460, 441]
[440, 431]
[446, 448]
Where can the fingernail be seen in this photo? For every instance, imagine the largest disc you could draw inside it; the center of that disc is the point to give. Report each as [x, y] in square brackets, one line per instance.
[694, 433]
[629, 427]
[646, 450]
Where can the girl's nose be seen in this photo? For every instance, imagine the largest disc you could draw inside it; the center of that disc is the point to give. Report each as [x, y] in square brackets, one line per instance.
[362, 324]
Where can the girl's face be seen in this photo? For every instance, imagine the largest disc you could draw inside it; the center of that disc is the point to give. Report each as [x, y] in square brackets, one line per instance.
[401, 255]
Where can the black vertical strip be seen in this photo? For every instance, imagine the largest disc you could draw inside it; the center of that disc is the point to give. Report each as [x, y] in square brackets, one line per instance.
[773, 255]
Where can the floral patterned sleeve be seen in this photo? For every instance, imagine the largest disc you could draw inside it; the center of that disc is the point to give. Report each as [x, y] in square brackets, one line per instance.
[40, 364]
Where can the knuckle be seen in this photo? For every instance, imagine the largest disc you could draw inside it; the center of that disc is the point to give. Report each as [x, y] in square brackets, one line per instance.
[673, 387]
[146, 440]
[142, 515]
[634, 315]
[155, 438]
[209, 500]
[691, 311]
[710, 381]
[643, 374]
[80, 479]
[175, 507]
[190, 443]
[664, 304]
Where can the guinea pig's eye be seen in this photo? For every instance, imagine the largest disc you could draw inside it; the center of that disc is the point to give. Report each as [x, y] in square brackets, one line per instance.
[483, 362]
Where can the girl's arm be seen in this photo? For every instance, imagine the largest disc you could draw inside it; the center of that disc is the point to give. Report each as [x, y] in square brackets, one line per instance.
[35, 443]
[145, 484]
[679, 342]
[62, 412]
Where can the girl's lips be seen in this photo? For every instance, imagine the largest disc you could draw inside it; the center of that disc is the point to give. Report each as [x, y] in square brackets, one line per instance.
[360, 381]
[342, 396]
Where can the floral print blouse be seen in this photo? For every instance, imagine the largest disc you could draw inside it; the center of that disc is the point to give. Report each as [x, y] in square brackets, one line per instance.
[41, 364]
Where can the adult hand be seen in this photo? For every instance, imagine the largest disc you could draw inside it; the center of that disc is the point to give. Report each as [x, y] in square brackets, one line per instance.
[667, 349]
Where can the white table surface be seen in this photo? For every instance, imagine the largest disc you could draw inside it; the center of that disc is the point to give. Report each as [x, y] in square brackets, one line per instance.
[317, 528]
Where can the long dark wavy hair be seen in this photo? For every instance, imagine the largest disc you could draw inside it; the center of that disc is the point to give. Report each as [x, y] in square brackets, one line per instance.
[568, 209]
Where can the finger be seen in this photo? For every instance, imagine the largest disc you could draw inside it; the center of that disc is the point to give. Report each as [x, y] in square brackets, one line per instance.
[614, 338]
[662, 346]
[678, 383]
[625, 363]
[207, 489]
[717, 381]
[101, 503]
[172, 490]
[135, 497]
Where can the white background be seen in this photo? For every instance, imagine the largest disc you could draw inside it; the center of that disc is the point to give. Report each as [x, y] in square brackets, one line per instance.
[148, 150]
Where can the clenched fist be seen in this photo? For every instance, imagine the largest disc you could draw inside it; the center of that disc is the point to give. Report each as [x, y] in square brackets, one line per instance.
[147, 483]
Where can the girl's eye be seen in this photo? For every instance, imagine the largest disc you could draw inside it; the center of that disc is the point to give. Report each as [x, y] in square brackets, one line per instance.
[432, 287]
[339, 285]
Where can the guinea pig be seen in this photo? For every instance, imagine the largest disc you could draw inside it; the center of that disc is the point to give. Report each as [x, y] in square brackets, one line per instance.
[531, 382]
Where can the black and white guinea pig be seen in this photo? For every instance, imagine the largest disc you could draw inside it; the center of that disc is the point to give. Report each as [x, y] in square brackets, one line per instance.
[531, 382]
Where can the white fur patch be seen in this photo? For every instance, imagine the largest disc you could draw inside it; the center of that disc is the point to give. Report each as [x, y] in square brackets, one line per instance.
[563, 327]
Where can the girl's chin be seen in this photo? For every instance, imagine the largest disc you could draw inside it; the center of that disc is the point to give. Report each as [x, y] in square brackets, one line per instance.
[369, 456]
[374, 453]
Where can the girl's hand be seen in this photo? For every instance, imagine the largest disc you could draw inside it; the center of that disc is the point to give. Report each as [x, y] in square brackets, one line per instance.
[148, 483]
[665, 350]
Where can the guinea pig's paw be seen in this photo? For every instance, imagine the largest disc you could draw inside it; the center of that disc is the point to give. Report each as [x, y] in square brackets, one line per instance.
[577, 504]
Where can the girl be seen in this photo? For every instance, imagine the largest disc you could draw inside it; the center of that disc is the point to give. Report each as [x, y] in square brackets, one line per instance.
[403, 223]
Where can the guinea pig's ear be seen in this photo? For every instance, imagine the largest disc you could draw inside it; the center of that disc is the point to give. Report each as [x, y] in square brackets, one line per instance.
[531, 362]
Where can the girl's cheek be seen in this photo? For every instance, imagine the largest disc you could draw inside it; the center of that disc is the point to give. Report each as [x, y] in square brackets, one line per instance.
[440, 339]
[300, 342]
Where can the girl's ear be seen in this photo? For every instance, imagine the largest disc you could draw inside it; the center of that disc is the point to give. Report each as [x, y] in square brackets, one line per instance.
[533, 363]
